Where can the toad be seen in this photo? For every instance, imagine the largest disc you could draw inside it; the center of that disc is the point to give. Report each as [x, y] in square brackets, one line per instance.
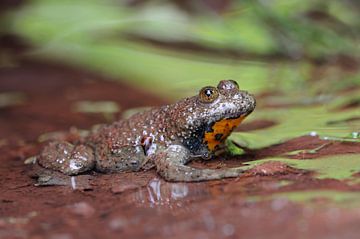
[166, 138]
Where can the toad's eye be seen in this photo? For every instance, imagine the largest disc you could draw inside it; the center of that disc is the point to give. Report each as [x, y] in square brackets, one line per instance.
[208, 94]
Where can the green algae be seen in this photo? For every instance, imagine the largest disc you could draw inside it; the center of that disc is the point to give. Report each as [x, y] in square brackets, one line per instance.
[307, 151]
[340, 167]
[327, 198]
[304, 120]
[233, 149]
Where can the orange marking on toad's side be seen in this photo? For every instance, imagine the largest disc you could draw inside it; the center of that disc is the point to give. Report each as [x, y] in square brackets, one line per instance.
[221, 128]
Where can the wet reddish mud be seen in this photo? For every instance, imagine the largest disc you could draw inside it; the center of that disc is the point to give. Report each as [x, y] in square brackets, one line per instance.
[142, 205]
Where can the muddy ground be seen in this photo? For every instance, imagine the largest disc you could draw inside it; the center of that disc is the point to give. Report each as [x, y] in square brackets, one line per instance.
[142, 205]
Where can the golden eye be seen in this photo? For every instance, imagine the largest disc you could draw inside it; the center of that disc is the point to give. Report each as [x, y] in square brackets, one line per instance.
[208, 94]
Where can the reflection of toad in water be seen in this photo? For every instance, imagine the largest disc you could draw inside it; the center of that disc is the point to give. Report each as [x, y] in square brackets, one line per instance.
[171, 195]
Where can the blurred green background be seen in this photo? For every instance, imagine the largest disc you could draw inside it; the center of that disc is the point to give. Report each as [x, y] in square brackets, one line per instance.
[182, 45]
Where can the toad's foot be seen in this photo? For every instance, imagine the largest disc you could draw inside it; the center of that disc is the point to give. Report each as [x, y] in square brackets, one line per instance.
[170, 164]
[46, 177]
[67, 158]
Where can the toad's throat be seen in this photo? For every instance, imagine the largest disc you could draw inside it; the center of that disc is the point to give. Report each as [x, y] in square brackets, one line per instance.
[220, 131]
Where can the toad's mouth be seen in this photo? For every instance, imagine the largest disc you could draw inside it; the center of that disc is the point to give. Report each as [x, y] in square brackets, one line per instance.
[220, 130]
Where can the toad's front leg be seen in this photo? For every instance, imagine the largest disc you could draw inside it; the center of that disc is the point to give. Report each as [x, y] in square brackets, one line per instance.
[171, 165]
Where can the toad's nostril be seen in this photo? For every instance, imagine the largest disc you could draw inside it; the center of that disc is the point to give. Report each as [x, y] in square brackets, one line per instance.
[244, 92]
